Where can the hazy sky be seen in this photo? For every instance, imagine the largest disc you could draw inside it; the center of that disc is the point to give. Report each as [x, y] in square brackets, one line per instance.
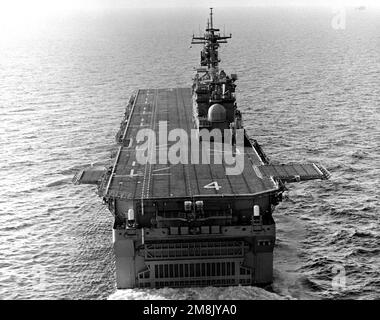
[47, 5]
[12, 11]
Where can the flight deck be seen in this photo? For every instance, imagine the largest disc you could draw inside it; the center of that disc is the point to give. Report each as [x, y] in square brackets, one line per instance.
[133, 180]
[130, 179]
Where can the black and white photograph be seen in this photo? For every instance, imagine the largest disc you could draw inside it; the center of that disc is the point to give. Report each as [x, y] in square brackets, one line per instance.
[201, 150]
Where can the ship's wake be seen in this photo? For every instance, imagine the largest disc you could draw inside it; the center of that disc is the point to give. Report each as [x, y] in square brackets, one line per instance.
[206, 293]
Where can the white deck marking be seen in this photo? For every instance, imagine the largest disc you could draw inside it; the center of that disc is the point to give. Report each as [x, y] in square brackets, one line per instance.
[148, 166]
[161, 169]
[130, 143]
[261, 161]
[128, 175]
[162, 146]
[257, 171]
[213, 185]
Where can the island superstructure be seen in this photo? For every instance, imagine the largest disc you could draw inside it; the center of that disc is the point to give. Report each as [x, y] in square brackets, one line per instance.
[191, 223]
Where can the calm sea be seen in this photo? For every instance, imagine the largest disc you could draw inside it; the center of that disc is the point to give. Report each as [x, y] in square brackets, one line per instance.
[308, 92]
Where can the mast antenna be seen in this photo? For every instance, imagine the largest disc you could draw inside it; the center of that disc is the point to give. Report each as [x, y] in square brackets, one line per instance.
[211, 19]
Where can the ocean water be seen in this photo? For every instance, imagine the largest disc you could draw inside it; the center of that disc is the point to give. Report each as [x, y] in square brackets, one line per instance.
[308, 92]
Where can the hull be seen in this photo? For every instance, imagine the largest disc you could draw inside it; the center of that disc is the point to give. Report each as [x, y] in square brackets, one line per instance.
[226, 256]
[222, 245]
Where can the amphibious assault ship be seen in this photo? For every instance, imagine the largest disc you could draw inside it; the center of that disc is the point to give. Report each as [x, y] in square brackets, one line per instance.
[181, 221]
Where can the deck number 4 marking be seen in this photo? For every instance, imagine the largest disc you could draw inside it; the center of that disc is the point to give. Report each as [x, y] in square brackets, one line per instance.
[212, 185]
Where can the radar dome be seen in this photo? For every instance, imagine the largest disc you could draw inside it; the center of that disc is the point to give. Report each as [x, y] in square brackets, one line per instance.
[216, 113]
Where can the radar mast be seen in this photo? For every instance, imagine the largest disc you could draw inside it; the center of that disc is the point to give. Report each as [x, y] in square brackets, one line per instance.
[211, 41]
